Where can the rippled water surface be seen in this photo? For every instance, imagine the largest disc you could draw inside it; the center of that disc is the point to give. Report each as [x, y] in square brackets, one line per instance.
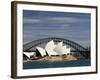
[55, 64]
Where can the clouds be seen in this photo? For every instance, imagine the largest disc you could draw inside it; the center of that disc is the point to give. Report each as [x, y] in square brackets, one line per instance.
[31, 21]
[63, 20]
[54, 20]
[73, 26]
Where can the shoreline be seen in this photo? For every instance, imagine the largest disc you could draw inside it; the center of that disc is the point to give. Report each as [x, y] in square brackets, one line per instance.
[54, 58]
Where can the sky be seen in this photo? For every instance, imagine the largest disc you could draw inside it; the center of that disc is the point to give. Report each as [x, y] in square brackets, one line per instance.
[67, 25]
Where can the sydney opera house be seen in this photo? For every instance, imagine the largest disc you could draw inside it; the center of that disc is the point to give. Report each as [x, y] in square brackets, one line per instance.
[51, 49]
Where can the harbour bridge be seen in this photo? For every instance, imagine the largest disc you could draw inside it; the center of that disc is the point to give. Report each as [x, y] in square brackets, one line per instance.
[77, 48]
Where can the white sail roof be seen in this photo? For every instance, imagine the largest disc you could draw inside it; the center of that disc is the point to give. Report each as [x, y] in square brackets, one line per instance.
[29, 54]
[68, 50]
[65, 50]
[51, 52]
[50, 45]
[41, 50]
[53, 49]
[59, 48]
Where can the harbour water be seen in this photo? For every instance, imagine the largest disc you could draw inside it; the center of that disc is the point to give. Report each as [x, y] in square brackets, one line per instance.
[56, 64]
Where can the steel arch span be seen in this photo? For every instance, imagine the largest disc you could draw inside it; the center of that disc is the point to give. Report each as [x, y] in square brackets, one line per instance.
[35, 43]
[70, 43]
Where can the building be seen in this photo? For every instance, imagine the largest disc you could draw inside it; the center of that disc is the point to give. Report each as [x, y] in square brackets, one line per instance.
[50, 48]
[28, 55]
[40, 52]
[53, 49]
